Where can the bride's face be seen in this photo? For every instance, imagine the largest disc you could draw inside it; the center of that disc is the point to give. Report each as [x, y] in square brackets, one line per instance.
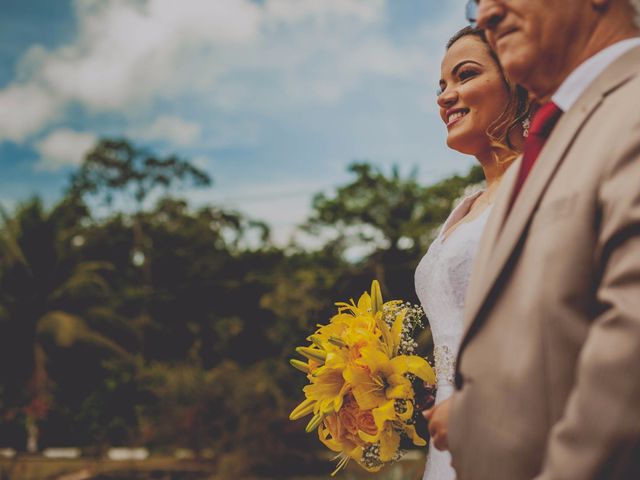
[473, 95]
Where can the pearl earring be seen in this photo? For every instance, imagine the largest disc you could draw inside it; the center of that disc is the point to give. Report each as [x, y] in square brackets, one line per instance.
[526, 124]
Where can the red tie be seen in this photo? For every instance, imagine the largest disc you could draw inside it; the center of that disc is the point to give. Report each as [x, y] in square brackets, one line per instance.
[543, 122]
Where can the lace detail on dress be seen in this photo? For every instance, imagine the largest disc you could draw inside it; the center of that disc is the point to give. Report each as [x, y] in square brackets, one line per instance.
[442, 279]
[445, 361]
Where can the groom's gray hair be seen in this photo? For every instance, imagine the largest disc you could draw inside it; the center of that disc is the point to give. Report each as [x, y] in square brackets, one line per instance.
[636, 7]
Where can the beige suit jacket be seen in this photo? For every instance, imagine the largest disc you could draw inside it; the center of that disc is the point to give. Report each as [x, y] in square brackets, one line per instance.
[548, 373]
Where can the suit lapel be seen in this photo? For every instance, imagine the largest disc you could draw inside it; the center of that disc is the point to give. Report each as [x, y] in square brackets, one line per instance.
[507, 227]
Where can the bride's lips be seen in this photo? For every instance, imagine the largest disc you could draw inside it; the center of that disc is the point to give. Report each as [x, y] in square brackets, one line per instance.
[454, 115]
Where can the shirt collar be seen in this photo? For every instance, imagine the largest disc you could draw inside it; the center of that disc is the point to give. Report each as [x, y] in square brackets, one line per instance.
[578, 80]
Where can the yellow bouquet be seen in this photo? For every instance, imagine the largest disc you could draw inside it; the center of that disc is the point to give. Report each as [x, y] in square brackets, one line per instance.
[360, 368]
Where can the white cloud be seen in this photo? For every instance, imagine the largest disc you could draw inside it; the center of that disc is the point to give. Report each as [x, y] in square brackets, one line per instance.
[296, 11]
[64, 147]
[25, 109]
[130, 51]
[8, 204]
[236, 55]
[174, 130]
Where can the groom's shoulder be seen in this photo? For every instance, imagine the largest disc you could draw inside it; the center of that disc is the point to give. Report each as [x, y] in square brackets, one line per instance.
[612, 137]
[622, 115]
[620, 106]
[626, 88]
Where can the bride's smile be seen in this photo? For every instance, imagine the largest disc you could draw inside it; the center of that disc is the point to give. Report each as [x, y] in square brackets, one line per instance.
[454, 115]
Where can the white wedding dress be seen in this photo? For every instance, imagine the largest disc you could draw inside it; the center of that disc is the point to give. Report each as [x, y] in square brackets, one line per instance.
[442, 278]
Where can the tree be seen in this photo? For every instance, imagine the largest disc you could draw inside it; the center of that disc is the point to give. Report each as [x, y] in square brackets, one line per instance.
[391, 218]
[392, 212]
[116, 166]
[46, 298]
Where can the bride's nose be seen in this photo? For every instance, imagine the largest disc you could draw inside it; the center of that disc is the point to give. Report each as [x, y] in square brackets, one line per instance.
[447, 98]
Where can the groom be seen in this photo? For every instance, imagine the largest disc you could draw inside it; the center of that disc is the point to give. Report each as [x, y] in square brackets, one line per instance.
[549, 367]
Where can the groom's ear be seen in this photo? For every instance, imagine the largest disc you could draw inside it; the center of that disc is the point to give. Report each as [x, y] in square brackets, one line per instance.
[601, 5]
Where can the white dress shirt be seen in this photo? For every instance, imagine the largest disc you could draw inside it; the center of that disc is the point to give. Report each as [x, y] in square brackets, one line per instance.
[578, 80]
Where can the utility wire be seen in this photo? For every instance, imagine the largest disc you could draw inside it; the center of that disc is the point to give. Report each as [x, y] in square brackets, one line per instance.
[270, 196]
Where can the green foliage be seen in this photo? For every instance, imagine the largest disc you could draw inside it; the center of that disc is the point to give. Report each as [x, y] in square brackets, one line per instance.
[171, 327]
[390, 212]
[391, 218]
[46, 293]
[116, 166]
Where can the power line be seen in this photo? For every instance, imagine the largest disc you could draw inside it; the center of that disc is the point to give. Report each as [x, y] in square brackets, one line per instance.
[275, 196]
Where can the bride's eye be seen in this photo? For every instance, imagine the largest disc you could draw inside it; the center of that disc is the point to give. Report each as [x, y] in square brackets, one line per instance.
[466, 74]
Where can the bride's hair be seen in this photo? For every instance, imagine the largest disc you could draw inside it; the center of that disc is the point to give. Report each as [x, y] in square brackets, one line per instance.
[515, 112]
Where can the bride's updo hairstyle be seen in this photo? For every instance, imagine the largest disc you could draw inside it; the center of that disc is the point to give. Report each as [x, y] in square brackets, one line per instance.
[509, 125]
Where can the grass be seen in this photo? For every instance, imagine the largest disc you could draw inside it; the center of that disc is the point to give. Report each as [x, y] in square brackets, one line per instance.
[30, 467]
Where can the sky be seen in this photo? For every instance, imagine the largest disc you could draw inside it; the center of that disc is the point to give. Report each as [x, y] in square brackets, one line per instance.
[273, 98]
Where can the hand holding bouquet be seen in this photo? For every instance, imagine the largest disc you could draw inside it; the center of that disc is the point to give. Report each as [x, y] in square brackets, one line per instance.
[361, 367]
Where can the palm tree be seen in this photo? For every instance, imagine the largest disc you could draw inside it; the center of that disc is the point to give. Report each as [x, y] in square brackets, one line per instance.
[47, 293]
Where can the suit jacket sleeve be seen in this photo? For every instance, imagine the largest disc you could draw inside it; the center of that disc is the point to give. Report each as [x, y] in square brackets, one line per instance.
[600, 426]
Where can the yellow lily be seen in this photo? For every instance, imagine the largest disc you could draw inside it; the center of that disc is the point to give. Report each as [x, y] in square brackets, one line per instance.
[376, 298]
[376, 377]
[360, 394]
[389, 443]
[326, 391]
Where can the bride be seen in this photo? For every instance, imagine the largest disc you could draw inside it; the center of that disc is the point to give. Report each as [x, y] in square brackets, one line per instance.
[486, 116]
